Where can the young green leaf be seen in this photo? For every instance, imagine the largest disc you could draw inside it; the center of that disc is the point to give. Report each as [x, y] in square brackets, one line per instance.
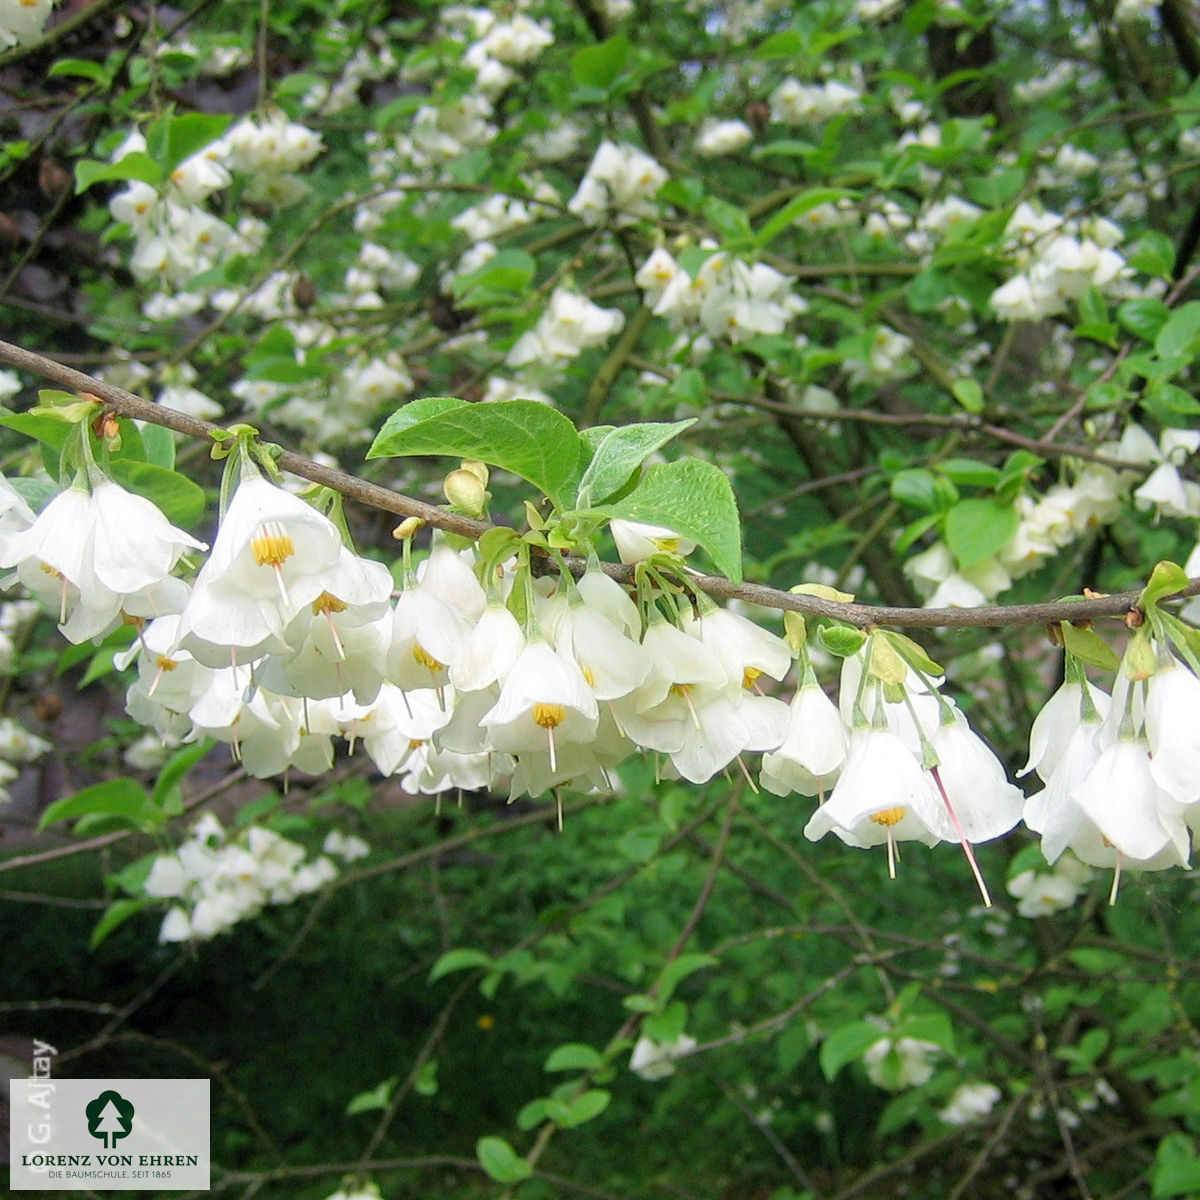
[535, 442]
[619, 453]
[976, 529]
[574, 1056]
[847, 1044]
[117, 797]
[501, 1161]
[693, 498]
[459, 960]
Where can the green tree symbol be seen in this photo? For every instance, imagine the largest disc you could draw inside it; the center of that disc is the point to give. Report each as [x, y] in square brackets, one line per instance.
[109, 1117]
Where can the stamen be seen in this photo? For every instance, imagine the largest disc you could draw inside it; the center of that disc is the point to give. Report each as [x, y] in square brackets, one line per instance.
[333, 633]
[750, 677]
[549, 715]
[272, 549]
[746, 775]
[326, 602]
[1116, 883]
[164, 664]
[550, 738]
[684, 689]
[962, 839]
[426, 659]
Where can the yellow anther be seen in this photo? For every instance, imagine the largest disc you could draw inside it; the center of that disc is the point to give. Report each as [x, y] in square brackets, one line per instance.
[750, 677]
[166, 664]
[549, 715]
[272, 549]
[326, 602]
[889, 816]
[426, 659]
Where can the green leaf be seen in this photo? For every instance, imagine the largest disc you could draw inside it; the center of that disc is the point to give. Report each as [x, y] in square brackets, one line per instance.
[1180, 333]
[410, 414]
[378, 1097]
[83, 67]
[1176, 1167]
[842, 640]
[139, 166]
[678, 970]
[921, 488]
[1144, 317]
[116, 797]
[508, 271]
[729, 220]
[178, 138]
[969, 394]
[1166, 579]
[928, 1027]
[599, 66]
[426, 1083]
[501, 1161]
[976, 529]
[1089, 647]
[574, 1056]
[619, 453]
[787, 44]
[116, 914]
[1153, 253]
[693, 498]
[535, 442]
[795, 208]
[846, 1045]
[459, 960]
[47, 430]
[584, 1108]
[176, 768]
[532, 1114]
[997, 189]
[969, 472]
[1168, 400]
[159, 443]
[181, 500]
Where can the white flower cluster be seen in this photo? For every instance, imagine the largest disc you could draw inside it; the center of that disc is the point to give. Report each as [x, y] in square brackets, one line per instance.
[653, 1060]
[177, 239]
[896, 1063]
[214, 880]
[1043, 893]
[287, 640]
[1048, 523]
[570, 325]
[716, 138]
[1059, 259]
[795, 103]
[619, 186]
[912, 767]
[971, 1102]
[1121, 773]
[731, 299]
[22, 21]
[17, 745]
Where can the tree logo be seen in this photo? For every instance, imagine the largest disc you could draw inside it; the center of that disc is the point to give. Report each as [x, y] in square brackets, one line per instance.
[109, 1117]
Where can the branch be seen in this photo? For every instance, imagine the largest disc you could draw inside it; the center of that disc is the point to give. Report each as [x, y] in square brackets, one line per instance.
[862, 615]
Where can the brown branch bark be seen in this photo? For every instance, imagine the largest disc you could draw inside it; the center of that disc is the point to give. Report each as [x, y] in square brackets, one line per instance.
[862, 615]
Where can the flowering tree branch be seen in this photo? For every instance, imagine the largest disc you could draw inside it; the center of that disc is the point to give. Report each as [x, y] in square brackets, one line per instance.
[862, 615]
